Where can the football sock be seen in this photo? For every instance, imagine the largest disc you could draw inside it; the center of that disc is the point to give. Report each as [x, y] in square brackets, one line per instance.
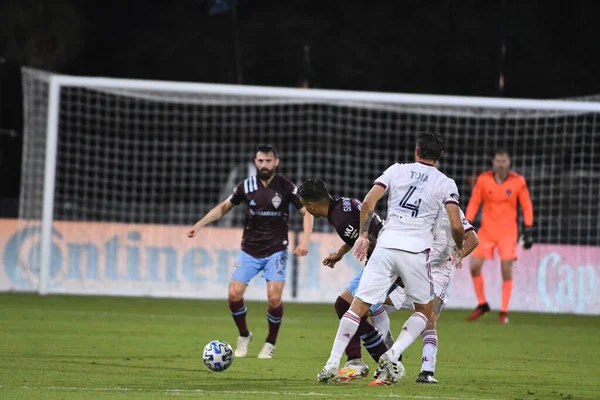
[479, 285]
[372, 339]
[274, 317]
[381, 320]
[411, 330]
[347, 329]
[506, 292]
[239, 311]
[430, 348]
[353, 350]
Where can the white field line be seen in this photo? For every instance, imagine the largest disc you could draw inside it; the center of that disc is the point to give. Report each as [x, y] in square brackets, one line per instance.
[242, 392]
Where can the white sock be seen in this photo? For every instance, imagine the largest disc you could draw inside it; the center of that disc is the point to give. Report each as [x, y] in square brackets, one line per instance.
[381, 320]
[411, 330]
[430, 348]
[348, 327]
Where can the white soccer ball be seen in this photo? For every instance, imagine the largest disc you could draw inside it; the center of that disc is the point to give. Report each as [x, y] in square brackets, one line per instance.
[217, 355]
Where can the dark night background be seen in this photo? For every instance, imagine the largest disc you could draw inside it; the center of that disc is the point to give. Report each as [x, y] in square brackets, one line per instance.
[443, 47]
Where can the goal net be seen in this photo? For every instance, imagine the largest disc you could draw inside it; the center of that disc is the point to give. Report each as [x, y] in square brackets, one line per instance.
[156, 156]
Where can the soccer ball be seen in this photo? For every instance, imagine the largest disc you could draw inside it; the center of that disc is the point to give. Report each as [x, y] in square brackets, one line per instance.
[217, 356]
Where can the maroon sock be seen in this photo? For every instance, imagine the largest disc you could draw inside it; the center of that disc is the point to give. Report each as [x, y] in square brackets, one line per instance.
[274, 317]
[372, 339]
[353, 349]
[238, 311]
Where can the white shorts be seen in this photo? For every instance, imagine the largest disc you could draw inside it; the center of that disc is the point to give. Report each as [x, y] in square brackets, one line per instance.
[441, 276]
[442, 279]
[385, 265]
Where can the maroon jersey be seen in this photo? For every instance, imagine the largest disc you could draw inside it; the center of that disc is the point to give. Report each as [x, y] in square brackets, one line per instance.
[267, 216]
[344, 215]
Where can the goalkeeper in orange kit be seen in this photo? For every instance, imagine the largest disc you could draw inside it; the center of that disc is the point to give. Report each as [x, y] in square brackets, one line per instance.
[499, 190]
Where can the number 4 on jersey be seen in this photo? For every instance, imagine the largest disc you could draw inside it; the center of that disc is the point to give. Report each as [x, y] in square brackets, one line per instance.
[414, 207]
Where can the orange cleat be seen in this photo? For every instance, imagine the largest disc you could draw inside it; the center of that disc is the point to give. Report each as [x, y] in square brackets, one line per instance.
[503, 317]
[479, 311]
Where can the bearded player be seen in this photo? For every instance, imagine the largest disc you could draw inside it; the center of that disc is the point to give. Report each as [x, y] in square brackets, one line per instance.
[264, 242]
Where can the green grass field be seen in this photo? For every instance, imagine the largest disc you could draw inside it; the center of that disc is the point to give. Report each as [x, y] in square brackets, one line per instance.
[63, 347]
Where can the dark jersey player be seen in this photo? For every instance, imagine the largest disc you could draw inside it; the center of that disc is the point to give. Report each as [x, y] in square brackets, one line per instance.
[344, 214]
[264, 242]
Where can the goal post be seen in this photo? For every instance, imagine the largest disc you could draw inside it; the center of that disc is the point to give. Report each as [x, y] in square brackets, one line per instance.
[156, 155]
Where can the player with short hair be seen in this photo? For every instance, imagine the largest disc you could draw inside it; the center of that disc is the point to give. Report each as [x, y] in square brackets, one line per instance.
[442, 268]
[417, 191]
[264, 242]
[500, 189]
[344, 214]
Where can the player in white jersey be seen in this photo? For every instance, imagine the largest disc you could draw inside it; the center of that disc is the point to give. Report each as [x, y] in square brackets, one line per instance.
[442, 268]
[417, 192]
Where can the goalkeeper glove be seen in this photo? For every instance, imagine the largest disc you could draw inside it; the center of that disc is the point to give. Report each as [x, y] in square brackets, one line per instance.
[527, 238]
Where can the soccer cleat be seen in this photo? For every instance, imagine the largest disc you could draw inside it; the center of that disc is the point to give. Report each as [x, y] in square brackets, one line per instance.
[378, 371]
[479, 311]
[426, 377]
[267, 351]
[354, 369]
[329, 374]
[241, 347]
[387, 372]
[503, 317]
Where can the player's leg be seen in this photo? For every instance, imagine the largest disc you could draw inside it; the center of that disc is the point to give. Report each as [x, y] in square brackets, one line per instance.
[376, 280]
[355, 367]
[508, 254]
[430, 344]
[441, 276]
[247, 268]
[373, 336]
[418, 287]
[367, 331]
[342, 305]
[380, 318]
[275, 274]
[485, 250]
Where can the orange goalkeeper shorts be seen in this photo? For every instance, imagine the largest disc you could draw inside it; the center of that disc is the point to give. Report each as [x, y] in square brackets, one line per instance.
[507, 247]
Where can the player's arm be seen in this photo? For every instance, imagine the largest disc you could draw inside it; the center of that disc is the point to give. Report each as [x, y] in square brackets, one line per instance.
[458, 233]
[475, 200]
[368, 209]
[456, 227]
[213, 215]
[471, 241]
[307, 222]
[307, 228]
[333, 258]
[361, 246]
[527, 208]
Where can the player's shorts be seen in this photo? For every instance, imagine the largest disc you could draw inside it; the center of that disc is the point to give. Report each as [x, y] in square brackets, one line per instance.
[507, 247]
[353, 285]
[273, 267]
[385, 265]
[442, 278]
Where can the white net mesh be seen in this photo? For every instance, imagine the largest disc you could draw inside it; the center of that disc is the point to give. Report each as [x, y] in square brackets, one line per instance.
[159, 157]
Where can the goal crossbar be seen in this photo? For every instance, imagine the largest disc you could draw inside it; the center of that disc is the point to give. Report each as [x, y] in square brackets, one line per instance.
[328, 95]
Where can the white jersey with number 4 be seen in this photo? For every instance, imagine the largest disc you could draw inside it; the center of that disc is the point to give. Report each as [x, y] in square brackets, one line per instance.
[416, 193]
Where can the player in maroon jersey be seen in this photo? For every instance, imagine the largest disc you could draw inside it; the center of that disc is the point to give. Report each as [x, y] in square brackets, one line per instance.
[264, 242]
[344, 214]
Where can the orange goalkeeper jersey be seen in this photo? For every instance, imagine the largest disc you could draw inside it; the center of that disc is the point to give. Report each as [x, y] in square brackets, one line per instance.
[499, 215]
